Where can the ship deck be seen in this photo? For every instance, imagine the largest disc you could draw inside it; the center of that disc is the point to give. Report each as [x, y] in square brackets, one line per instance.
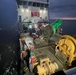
[48, 51]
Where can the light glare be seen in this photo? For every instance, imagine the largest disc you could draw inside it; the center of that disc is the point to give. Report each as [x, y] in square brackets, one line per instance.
[27, 10]
[40, 11]
[22, 10]
[44, 11]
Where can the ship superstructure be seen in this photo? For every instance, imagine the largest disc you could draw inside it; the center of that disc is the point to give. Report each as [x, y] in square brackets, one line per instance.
[33, 10]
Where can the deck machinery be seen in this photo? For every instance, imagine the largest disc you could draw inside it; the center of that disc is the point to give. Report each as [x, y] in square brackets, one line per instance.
[45, 67]
[66, 49]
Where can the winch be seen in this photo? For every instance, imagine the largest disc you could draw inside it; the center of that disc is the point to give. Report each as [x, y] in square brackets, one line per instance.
[66, 48]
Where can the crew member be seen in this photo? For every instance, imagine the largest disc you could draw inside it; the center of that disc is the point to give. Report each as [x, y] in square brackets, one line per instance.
[25, 54]
[31, 47]
[31, 61]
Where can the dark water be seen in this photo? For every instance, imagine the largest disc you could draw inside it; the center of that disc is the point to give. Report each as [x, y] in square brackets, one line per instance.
[8, 36]
[9, 45]
[9, 50]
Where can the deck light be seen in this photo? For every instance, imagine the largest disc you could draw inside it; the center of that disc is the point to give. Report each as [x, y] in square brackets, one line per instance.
[40, 11]
[22, 9]
[44, 11]
[27, 10]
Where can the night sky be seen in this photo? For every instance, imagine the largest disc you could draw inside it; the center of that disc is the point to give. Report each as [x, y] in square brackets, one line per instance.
[8, 14]
[63, 9]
